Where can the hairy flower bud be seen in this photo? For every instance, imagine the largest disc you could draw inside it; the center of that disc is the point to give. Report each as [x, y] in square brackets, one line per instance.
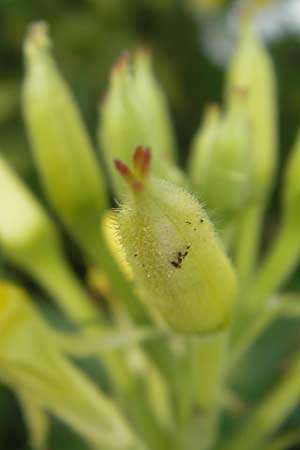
[61, 147]
[134, 112]
[220, 163]
[251, 70]
[174, 253]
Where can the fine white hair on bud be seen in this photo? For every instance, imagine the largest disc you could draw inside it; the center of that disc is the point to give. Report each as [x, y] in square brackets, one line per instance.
[174, 252]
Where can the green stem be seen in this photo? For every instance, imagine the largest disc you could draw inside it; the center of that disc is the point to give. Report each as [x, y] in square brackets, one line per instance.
[277, 266]
[247, 331]
[66, 393]
[269, 414]
[254, 316]
[208, 361]
[285, 441]
[286, 305]
[50, 270]
[248, 243]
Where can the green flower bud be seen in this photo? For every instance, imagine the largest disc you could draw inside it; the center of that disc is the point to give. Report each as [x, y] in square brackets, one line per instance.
[61, 147]
[291, 186]
[30, 241]
[133, 113]
[152, 96]
[251, 70]
[24, 225]
[174, 253]
[220, 163]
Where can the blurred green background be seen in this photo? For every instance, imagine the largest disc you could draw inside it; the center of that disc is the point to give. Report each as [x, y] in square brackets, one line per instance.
[191, 41]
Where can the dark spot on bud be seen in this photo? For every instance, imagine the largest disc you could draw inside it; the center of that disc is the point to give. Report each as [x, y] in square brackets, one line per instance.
[190, 223]
[180, 258]
[176, 264]
[201, 220]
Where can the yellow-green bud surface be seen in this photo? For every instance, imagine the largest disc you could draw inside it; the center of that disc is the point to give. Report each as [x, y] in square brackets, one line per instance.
[134, 112]
[251, 70]
[61, 147]
[221, 162]
[174, 252]
[23, 223]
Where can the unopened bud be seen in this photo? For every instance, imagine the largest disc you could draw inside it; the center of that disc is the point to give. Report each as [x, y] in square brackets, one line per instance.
[251, 70]
[175, 255]
[24, 225]
[134, 112]
[61, 147]
[30, 241]
[220, 163]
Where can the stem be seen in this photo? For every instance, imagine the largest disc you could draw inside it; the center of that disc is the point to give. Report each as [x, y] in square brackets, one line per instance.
[65, 392]
[249, 240]
[208, 358]
[247, 331]
[270, 413]
[227, 234]
[254, 316]
[53, 273]
[285, 441]
[277, 266]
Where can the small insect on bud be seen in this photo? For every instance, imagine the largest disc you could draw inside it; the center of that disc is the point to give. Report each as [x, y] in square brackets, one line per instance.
[134, 112]
[174, 253]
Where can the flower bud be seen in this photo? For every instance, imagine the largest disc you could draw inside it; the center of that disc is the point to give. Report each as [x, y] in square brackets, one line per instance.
[23, 223]
[30, 241]
[220, 163]
[251, 70]
[152, 96]
[174, 253]
[133, 113]
[61, 147]
[291, 186]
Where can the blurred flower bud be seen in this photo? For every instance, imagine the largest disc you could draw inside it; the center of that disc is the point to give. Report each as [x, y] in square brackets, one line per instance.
[220, 163]
[30, 241]
[61, 147]
[251, 70]
[291, 186]
[153, 97]
[134, 112]
[33, 365]
[173, 251]
[24, 226]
